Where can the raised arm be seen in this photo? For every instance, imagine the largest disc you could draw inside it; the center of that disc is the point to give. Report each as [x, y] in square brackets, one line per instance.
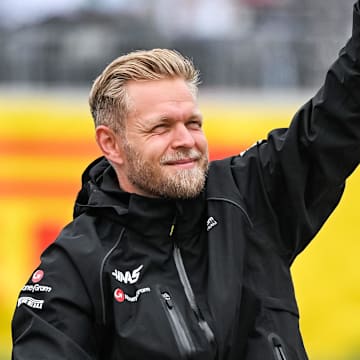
[302, 169]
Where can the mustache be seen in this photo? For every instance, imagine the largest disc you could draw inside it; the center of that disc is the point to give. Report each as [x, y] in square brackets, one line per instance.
[191, 154]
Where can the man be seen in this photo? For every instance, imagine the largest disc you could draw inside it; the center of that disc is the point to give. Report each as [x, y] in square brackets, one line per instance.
[170, 258]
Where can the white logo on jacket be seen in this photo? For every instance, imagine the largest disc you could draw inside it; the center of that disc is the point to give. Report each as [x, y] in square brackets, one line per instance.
[37, 288]
[211, 222]
[127, 277]
[31, 302]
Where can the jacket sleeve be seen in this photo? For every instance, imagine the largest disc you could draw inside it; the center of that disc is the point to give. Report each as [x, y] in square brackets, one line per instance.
[302, 169]
[53, 317]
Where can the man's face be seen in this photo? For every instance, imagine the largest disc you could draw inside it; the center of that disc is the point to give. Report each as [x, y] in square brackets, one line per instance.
[165, 148]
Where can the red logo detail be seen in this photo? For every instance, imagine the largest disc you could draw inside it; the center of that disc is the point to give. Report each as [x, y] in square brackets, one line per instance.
[37, 276]
[119, 295]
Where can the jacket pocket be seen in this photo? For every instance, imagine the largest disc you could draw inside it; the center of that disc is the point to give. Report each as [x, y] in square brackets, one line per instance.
[282, 328]
[178, 325]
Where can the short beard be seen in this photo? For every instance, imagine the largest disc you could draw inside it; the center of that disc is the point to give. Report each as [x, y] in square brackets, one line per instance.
[152, 180]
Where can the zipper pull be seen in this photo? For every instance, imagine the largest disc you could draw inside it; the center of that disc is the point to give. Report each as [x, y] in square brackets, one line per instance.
[172, 227]
[278, 347]
[172, 230]
[279, 352]
[166, 296]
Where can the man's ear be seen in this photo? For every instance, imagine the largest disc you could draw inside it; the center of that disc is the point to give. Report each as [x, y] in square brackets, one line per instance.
[110, 144]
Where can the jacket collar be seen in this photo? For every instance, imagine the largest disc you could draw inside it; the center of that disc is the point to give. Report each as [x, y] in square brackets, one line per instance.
[101, 194]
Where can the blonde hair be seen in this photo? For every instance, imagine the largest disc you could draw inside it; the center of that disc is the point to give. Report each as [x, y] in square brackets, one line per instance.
[108, 99]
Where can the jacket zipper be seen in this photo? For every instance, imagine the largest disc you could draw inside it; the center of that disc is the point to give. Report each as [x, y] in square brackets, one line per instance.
[104, 260]
[278, 348]
[181, 332]
[189, 291]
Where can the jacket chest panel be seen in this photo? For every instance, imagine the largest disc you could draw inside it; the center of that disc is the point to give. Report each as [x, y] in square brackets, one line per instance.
[151, 314]
[226, 252]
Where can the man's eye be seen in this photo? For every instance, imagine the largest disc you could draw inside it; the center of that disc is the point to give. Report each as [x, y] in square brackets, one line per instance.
[195, 124]
[159, 128]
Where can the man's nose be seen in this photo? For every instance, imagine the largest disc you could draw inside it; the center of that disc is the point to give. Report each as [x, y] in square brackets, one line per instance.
[182, 137]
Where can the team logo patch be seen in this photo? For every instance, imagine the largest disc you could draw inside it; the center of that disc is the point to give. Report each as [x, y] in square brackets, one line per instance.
[211, 222]
[37, 288]
[37, 276]
[31, 302]
[127, 277]
[119, 295]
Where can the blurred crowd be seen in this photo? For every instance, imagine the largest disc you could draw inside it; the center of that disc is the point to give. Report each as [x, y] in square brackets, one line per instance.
[235, 43]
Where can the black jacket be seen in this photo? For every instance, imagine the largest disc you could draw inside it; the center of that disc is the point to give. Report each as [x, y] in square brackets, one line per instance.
[139, 278]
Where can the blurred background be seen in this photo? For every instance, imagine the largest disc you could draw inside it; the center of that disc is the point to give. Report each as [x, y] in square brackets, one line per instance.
[259, 61]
